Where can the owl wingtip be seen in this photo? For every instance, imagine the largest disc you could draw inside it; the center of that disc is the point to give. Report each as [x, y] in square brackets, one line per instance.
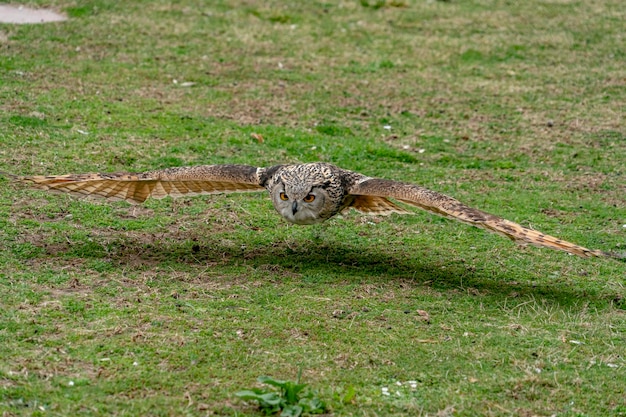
[588, 253]
[9, 175]
[619, 256]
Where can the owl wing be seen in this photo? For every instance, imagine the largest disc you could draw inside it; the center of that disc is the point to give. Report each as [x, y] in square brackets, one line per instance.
[378, 206]
[453, 209]
[137, 187]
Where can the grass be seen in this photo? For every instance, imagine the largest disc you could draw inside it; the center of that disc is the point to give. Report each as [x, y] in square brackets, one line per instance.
[172, 307]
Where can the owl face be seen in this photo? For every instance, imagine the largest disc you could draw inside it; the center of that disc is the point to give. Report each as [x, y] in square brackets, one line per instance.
[301, 205]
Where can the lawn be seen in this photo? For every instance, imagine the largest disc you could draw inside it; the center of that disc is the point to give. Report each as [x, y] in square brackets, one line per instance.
[171, 307]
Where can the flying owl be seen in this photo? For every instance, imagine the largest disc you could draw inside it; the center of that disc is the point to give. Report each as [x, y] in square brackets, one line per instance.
[303, 194]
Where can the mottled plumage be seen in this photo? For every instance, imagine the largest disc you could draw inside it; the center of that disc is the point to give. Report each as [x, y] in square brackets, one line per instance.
[301, 193]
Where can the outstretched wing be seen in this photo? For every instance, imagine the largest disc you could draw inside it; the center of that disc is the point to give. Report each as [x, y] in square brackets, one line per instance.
[378, 206]
[453, 209]
[137, 187]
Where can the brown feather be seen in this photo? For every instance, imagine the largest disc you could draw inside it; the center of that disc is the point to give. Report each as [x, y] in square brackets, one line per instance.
[379, 206]
[453, 209]
[138, 187]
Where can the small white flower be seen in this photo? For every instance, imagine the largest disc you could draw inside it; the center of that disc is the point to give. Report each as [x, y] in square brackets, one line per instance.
[387, 127]
[71, 383]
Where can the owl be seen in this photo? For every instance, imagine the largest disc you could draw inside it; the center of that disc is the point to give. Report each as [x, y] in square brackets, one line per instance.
[302, 194]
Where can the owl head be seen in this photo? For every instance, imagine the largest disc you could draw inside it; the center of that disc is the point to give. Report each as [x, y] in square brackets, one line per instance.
[301, 194]
[300, 204]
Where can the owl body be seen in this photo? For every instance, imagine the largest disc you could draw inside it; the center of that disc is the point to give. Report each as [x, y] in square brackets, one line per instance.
[301, 193]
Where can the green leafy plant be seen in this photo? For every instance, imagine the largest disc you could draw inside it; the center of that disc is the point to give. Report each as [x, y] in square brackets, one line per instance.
[294, 399]
[348, 396]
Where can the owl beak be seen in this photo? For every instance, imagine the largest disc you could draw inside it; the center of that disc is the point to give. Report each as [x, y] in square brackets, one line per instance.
[294, 207]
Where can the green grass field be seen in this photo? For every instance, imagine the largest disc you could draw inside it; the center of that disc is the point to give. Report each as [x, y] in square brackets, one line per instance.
[170, 308]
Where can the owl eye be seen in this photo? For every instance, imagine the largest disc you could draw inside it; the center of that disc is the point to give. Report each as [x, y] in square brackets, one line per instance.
[284, 197]
[309, 198]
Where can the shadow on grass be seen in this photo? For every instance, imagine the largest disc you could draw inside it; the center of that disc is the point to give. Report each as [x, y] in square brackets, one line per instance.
[329, 262]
